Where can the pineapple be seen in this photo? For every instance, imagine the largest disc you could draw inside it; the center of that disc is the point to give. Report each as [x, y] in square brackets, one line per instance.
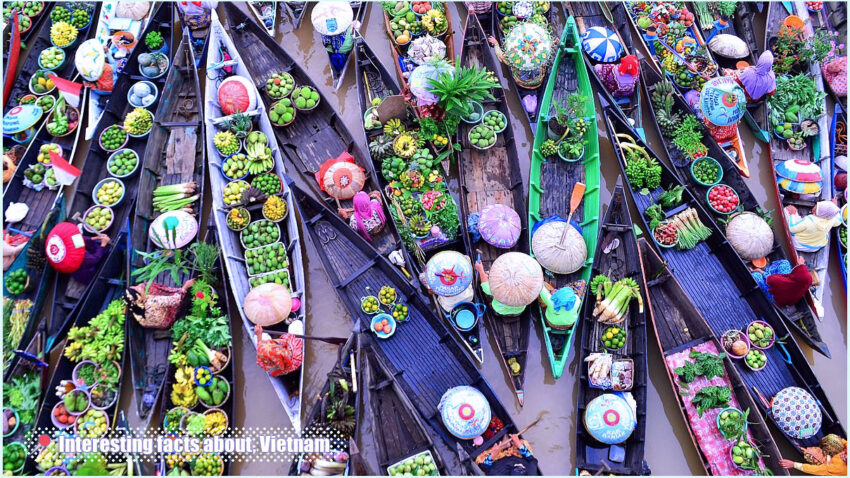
[381, 147]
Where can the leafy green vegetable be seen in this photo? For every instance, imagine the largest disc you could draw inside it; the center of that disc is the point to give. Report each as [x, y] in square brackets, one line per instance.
[710, 397]
[205, 322]
[671, 197]
[687, 372]
[22, 394]
[709, 365]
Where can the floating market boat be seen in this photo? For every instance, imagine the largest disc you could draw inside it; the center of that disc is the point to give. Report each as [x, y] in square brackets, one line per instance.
[296, 10]
[612, 367]
[226, 64]
[407, 204]
[606, 20]
[266, 14]
[681, 330]
[551, 178]
[121, 200]
[200, 37]
[134, 27]
[490, 177]
[799, 316]
[169, 204]
[831, 16]
[530, 98]
[420, 352]
[801, 96]
[347, 36]
[24, 382]
[336, 410]
[838, 168]
[689, 72]
[19, 33]
[722, 288]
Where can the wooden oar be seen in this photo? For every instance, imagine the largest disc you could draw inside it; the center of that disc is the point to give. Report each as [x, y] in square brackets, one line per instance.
[575, 200]
[327, 340]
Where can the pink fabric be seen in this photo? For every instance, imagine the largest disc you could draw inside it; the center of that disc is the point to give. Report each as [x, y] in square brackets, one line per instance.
[835, 73]
[710, 440]
[365, 208]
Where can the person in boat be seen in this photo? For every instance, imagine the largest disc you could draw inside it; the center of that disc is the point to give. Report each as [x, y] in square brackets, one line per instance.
[783, 284]
[829, 459]
[95, 252]
[811, 233]
[561, 307]
[279, 356]
[367, 214]
[155, 306]
[96, 67]
[620, 79]
[758, 81]
[510, 457]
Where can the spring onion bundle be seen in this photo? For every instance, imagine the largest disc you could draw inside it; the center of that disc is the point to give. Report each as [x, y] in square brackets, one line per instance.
[691, 230]
[174, 197]
[613, 307]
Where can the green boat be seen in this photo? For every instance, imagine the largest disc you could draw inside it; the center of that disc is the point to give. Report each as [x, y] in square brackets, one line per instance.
[552, 179]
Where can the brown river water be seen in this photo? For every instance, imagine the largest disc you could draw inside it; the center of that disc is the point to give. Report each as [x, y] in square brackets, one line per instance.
[669, 450]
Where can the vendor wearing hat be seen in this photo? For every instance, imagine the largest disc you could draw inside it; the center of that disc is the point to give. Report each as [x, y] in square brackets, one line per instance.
[830, 459]
[561, 307]
[517, 280]
[510, 457]
[94, 66]
[811, 233]
[70, 252]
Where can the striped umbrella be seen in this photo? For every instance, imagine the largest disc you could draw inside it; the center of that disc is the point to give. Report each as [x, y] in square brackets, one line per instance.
[602, 44]
[797, 187]
[800, 170]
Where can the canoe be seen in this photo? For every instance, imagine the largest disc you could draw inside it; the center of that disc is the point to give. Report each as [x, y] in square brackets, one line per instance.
[296, 10]
[838, 147]
[733, 147]
[287, 387]
[346, 399]
[200, 40]
[535, 95]
[402, 434]
[403, 65]
[727, 296]
[338, 75]
[97, 102]
[266, 14]
[112, 282]
[798, 317]
[68, 291]
[814, 151]
[617, 257]
[375, 82]
[17, 42]
[174, 154]
[739, 24]
[421, 353]
[493, 177]
[614, 17]
[24, 383]
[559, 177]
[679, 328]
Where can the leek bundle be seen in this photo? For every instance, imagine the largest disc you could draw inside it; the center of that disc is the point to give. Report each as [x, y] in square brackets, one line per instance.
[691, 230]
[174, 197]
[613, 298]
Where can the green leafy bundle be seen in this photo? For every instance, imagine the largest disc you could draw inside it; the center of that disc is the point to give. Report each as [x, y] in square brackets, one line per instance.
[705, 364]
[456, 91]
[22, 395]
[710, 397]
[205, 322]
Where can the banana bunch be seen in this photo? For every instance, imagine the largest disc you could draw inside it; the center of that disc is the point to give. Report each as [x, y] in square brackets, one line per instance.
[327, 468]
[184, 375]
[117, 469]
[183, 395]
[259, 158]
[599, 366]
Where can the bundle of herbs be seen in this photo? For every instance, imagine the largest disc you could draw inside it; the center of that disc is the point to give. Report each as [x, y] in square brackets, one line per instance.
[613, 298]
[205, 329]
[705, 364]
[710, 397]
[691, 230]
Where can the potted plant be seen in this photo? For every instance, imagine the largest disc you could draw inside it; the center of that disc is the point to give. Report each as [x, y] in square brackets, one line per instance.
[239, 124]
[568, 116]
[155, 42]
[458, 92]
[571, 149]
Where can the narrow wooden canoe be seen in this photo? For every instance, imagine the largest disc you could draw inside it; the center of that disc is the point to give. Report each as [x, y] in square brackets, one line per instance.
[174, 154]
[266, 14]
[614, 17]
[223, 59]
[18, 44]
[338, 75]
[200, 40]
[374, 81]
[815, 151]
[798, 317]
[551, 180]
[833, 17]
[679, 327]
[422, 354]
[297, 11]
[727, 296]
[617, 257]
[734, 148]
[493, 177]
[838, 143]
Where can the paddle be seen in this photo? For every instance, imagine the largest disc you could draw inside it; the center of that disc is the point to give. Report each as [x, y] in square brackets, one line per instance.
[327, 340]
[575, 200]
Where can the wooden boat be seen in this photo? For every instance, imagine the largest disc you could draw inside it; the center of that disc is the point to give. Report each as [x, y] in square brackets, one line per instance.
[174, 154]
[296, 10]
[338, 75]
[559, 177]
[68, 291]
[402, 434]
[798, 317]
[617, 257]
[493, 177]
[222, 60]
[733, 147]
[421, 354]
[112, 281]
[679, 328]
[341, 395]
[403, 65]
[374, 81]
[266, 14]
[816, 152]
[838, 147]
[27, 374]
[538, 94]
[726, 295]
[103, 33]
[614, 17]
[739, 24]
[17, 43]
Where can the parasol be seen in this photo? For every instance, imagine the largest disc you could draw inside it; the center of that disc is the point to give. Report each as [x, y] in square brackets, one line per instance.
[602, 44]
[799, 176]
[419, 84]
[515, 279]
[797, 187]
[528, 47]
[448, 273]
[610, 419]
[90, 59]
[173, 229]
[796, 413]
[331, 18]
[465, 412]
[556, 251]
[21, 118]
[500, 226]
[65, 248]
[722, 101]
[341, 177]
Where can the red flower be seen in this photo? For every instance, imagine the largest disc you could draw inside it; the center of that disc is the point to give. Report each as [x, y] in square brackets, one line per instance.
[199, 295]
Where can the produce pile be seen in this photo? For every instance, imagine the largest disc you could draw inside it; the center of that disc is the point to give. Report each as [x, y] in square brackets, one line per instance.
[569, 120]
[613, 298]
[794, 108]
[421, 464]
[21, 395]
[608, 374]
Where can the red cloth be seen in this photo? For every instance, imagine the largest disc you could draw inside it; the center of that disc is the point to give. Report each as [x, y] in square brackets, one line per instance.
[788, 289]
